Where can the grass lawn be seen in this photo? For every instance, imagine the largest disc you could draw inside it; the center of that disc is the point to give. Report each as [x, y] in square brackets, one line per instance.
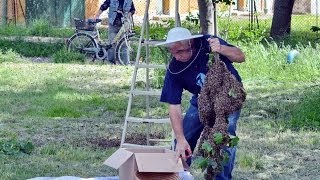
[73, 115]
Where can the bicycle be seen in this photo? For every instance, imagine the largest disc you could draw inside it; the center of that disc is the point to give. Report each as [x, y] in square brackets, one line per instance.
[86, 40]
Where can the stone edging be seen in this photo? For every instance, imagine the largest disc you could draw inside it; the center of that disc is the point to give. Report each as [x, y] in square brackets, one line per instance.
[34, 39]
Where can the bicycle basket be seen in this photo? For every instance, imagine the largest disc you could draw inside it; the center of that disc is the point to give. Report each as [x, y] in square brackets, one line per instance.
[85, 25]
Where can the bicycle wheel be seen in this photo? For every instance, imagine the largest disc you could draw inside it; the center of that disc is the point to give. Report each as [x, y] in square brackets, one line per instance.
[127, 50]
[84, 44]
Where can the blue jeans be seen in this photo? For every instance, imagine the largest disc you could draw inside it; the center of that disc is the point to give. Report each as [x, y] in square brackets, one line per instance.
[192, 128]
[112, 32]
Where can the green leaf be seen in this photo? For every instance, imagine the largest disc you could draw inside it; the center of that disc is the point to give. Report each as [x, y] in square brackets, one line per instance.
[218, 138]
[207, 147]
[234, 141]
[201, 163]
[225, 158]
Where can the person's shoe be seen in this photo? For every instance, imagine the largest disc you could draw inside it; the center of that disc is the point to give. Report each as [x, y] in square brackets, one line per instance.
[110, 62]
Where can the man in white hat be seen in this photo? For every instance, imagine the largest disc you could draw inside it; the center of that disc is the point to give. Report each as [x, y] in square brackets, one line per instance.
[187, 71]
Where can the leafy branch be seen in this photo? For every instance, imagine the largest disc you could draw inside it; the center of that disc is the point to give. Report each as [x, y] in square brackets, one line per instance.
[206, 161]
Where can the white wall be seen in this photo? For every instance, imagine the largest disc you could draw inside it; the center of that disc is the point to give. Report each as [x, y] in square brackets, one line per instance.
[315, 7]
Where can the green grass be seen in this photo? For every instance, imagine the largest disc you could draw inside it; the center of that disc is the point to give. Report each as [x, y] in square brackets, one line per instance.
[306, 113]
[39, 29]
[269, 62]
[236, 30]
[64, 56]
[10, 56]
[29, 49]
[249, 161]
[56, 89]
[58, 160]
[73, 113]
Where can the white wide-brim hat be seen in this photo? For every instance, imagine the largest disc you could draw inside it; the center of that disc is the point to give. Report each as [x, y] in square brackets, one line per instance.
[178, 34]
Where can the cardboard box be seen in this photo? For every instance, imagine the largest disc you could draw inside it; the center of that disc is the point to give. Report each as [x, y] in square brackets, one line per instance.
[145, 163]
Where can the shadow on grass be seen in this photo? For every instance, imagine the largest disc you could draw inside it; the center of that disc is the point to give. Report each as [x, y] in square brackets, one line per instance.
[57, 99]
[296, 107]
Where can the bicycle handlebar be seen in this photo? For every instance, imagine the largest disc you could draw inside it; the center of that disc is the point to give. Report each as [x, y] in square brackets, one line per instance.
[91, 21]
[94, 21]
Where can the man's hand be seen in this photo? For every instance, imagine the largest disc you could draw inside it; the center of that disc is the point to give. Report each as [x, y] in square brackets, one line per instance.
[214, 44]
[183, 149]
[234, 54]
[129, 14]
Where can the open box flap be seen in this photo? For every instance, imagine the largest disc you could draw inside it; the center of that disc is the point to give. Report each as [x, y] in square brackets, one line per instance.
[158, 162]
[118, 158]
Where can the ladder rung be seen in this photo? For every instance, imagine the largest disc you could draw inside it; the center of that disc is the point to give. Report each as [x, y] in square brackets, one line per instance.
[160, 140]
[156, 66]
[148, 93]
[145, 120]
[128, 145]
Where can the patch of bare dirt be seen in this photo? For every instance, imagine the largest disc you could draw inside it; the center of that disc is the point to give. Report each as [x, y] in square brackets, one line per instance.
[115, 141]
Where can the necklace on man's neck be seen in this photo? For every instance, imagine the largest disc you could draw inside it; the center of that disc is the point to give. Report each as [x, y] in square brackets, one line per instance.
[187, 65]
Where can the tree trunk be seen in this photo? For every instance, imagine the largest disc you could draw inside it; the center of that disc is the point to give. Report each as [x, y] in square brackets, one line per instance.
[207, 24]
[177, 14]
[281, 21]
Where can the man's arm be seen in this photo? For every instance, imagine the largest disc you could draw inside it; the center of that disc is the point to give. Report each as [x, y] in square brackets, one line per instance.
[176, 118]
[103, 7]
[97, 15]
[234, 54]
[133, 9]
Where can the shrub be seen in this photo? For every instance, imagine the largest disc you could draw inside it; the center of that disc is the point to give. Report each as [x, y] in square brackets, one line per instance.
[9, 56]
[40, 27]
[13, 30]
[30, 49]
[64, 56]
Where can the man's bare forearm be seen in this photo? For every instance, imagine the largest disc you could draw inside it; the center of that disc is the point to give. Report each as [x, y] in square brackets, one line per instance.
[175, 114]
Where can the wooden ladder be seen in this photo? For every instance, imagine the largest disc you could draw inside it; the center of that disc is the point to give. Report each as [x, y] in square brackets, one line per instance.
[147, 92]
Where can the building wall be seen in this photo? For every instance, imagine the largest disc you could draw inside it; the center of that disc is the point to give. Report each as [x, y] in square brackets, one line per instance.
[301, 7]
[91, 7]
[140, 6]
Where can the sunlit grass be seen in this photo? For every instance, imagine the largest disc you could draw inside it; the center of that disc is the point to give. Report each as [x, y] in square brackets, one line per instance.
[270, 63]
[71, 111]
[249, 161]
[59, 160]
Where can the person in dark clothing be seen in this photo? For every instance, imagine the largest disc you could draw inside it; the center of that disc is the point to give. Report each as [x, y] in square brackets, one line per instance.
[127, 7]
[187, 71]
